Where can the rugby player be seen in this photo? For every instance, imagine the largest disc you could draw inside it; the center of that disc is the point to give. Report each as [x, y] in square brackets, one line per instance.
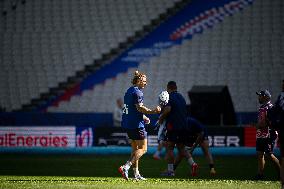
[133, 121]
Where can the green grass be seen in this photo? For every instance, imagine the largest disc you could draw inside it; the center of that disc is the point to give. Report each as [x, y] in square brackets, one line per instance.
[110, 182]
[92, 171]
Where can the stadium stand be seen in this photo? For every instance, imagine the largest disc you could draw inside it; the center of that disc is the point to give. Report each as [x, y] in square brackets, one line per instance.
[46, 43]
[244, 52]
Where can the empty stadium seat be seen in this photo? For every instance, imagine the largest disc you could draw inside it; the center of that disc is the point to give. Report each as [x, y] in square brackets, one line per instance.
[58, 38]
[243, 53]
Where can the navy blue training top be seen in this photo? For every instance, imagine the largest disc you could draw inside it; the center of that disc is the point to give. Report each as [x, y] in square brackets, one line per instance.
[131, 117]
[176, 119]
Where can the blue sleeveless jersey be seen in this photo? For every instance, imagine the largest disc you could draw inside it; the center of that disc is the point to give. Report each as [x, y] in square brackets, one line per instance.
[131, 118]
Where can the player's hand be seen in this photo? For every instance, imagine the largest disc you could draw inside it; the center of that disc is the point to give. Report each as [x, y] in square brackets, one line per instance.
[157, 110]
[147, 120]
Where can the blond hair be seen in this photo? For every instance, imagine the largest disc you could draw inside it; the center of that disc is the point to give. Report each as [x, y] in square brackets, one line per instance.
[137, 76]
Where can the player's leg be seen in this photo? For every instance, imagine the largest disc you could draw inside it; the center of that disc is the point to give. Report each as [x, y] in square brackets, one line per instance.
[205, 148]
[157, 154]
[165, 143]
[275, 161]
[271, 156]
[181, 154]
[193, 166]
[261, 164]
[161, 143]
[134, 147]
[188, 156]
[139, 147]
[260, 149]
[124, 168]
[170, 157]
[171, 137]
[177, 160]
[141, 150]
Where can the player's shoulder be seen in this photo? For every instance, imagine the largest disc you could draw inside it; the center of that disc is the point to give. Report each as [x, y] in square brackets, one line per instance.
[132, 89]
[137, 91]
[265, 107]
[178, 96]
[173, 95]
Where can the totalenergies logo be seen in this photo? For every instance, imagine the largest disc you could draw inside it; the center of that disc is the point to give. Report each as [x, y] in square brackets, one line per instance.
[12, 139]
[84, 138]
[37, 136]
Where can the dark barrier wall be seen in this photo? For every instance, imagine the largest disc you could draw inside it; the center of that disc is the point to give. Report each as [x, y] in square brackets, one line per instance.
[212, 105]
[218, 137]
[56, 119]
[244, 118]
